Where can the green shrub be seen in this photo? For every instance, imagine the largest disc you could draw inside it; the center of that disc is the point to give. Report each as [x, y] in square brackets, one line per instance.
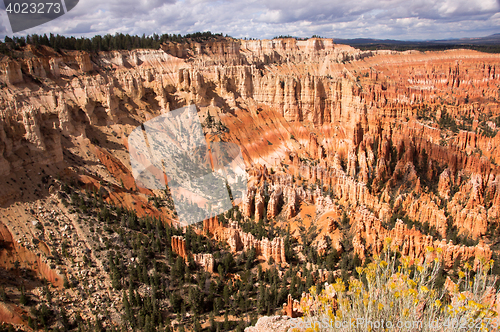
[401, 293]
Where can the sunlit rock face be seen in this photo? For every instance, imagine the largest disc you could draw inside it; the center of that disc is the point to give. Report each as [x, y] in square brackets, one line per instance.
[323, 128]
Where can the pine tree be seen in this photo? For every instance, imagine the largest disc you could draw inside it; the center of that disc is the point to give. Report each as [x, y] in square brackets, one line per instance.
[168, 328]
[197, 325]
[217, 306]
[225, 295]
[195, 299]
[175, 301]
[116, 279]
[48, 293]
[131, 297]
[126, 305]
[23, 299]
[183, 310]
[212, 322]
[226, 321]
[148, 325]
[64, 318]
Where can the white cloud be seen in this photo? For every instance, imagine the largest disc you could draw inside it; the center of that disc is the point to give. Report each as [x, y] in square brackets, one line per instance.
[398, 19]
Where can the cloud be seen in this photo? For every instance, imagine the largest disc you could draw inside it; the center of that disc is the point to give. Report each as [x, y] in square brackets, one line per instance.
[418, 19]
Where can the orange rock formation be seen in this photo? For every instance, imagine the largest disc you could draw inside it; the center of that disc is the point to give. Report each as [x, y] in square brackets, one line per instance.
[239, 240]
[206, 261]
[371, 133]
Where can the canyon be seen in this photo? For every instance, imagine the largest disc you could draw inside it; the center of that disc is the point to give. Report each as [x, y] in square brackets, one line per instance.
[360, 145]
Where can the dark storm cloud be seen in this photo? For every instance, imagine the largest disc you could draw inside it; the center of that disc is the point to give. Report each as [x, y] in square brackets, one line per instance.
[418, 19]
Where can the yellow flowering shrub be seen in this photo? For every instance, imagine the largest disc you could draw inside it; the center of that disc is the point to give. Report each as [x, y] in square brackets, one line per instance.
[402, 297]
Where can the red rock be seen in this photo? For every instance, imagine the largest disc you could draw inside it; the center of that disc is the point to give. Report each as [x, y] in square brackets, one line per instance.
[210, 225]
[178, 244]
[290, 307]
[239, 240]
[411, 242]
[274, 205]
[259, 206]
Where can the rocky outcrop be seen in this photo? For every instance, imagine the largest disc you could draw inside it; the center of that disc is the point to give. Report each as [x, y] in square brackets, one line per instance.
[291, 200]
[425, 210]
[206, 261]
[274, 205]
[10, 314]
[259, 206]
[248, 202]
[239, 240]
[467, 206]
[13, 251]
[274, 248]
[115, 167]
[275, 323]
[11, 71]
[445, 183]
[83, 60]
[350, 101]
[291, 307]
[178, 244]
[210, 225]
[411, 242]
[370, 138]
[32, 128]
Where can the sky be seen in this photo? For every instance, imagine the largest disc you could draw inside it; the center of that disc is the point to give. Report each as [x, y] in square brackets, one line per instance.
[386, 19]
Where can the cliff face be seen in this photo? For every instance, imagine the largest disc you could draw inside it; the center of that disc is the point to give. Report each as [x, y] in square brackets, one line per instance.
[411, 242]
[306, 82]
[242, 241]
[17, 251]
[206, 261]
[390, 139]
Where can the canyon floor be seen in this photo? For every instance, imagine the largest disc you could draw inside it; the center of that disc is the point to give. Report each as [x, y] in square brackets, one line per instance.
[343, 148]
